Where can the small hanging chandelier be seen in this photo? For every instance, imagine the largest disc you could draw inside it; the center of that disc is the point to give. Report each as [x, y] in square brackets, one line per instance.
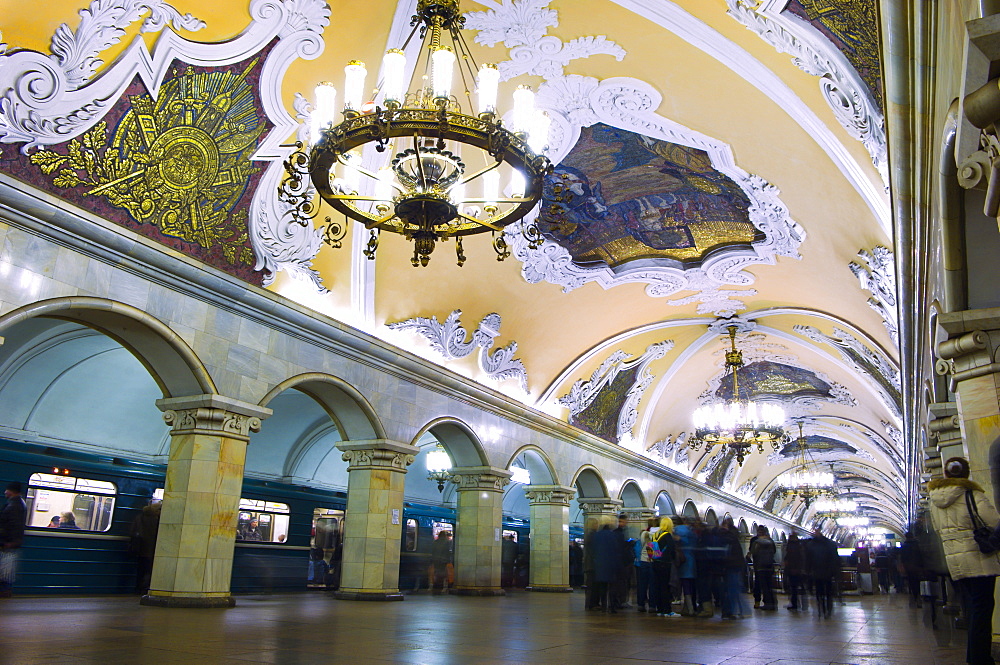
[738, 423]
[439, 466]
[807, 482]
[447, 166]
[837, 506]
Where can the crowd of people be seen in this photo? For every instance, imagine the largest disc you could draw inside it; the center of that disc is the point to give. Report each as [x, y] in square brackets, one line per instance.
[703, 569]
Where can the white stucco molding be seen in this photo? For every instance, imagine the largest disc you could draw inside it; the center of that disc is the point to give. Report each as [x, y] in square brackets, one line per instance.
[50, 99]
[677, 20]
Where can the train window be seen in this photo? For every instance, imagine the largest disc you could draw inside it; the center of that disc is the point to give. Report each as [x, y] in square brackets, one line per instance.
[511, 533]
[327, 528]
[67, 502]
[438, 527]
[262, 521]
[410, 536]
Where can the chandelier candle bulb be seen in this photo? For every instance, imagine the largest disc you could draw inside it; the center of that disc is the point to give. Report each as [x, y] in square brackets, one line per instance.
[354, 85]
[489, 83]
[538, 136]
[517, 184]
[383, 186]
[352, 177]
[491, 188]
[442, 68]
[524, 109]
[325, 111]
[393, 73]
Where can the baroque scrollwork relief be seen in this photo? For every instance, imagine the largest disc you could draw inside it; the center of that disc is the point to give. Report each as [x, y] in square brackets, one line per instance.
[607, 404]
[47, 100]
[377, 458]
[850, 98]
[449, 340]
[211, 420]
[575, 102]
[877, 275]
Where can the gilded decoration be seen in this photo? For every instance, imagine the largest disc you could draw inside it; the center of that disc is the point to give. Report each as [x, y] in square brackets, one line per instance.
[175, 167]
[763, 379]
[853, 27]
[619, 197]
[600, 417]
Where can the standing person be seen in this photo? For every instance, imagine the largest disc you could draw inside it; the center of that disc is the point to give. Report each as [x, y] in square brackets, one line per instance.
[67, 521]
[441, 558]
[662, 565]
[143, 544]
[644, 567]
[734, 567]
[952, 499]
[607, 565]
[911, 560]
[795, 570]
[824, 564]
[12, 519]
[687, 539]
[763, 552]
[710, 558]
[618, 591]
[252, 532]
[591, 600]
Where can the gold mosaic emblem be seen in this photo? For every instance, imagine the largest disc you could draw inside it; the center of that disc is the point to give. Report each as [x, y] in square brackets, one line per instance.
[180, 162]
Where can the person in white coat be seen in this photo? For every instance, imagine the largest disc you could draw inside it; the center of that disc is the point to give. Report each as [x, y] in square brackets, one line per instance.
[973, 572]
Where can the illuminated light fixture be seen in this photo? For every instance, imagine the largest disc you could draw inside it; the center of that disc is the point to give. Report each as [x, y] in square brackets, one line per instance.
[807, 482]
[739, 423]
[835, 507]
[520, 475]
[446, 164]
[439, 466]
[853, 521]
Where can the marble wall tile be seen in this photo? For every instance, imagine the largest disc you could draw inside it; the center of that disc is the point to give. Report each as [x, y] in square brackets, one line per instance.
[131, 289]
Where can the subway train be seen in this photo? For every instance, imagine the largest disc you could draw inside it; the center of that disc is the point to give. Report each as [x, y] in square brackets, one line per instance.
[288, 536]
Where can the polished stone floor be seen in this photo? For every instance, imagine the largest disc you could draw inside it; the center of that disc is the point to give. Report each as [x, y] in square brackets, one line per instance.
[549, 629]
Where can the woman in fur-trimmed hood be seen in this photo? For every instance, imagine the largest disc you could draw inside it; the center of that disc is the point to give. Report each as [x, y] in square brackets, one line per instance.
[973, 572]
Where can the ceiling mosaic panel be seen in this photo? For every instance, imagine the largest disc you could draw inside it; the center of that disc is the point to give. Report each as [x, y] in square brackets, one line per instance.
[766, 379]
[619, 197]
[600, 417]
[853, 27]
[816, 444]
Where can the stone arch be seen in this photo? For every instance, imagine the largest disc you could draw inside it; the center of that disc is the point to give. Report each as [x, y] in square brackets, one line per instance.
[537, 463]
[589, 483]
[742, 527]
[347, 407]
[711, 518]
[631, 495]
[462, 444]
[728, 516]
[691, 510]
[664, 505]
[170, 361]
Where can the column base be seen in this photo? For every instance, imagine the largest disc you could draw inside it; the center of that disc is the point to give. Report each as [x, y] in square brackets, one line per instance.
[368, 595]
[553, 588]
[478, 591]
[188, 601]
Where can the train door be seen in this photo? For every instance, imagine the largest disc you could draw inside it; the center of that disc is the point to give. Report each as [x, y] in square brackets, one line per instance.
[326, 549]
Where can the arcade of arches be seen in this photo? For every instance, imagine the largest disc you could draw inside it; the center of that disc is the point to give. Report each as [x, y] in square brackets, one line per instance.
[818, 175]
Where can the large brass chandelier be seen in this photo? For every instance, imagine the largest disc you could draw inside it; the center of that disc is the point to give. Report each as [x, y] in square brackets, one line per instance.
[451, 173]
[807, 482]
[739, 423]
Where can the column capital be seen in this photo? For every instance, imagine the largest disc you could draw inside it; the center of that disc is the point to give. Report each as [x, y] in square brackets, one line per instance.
[559, 495]
[483, 478]
[599, 505]
[377, 454]
[213, 415]
[638, 513]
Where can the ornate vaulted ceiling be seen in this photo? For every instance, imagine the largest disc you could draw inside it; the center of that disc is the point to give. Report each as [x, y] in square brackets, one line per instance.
[717, 161]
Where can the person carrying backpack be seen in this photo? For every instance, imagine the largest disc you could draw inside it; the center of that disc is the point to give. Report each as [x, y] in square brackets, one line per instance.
[662, 553]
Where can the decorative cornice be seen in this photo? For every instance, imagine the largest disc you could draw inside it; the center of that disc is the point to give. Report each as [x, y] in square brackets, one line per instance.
[448, 339]
[377, 454]
[555, 495]
[599, 506]
[852, 103]
[479, 478]
[574, 102]
[211, 422]
[582, 393]
[878, 277]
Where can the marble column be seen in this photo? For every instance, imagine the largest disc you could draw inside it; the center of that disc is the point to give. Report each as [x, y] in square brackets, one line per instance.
[549, 537]
[478, 542]
[194, 546]
[638, 518]
[373, 520]
[969, 357]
